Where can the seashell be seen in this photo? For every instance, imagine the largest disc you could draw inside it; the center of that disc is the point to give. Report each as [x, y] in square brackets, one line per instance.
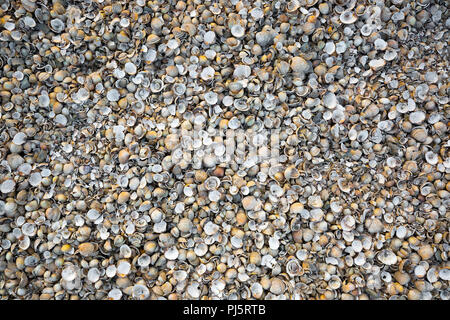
[156, 85]
[265, 37]
[130, 68]
[417, 117]
[179, 89]
[140, 292]
[171, 253]
[348, 223]
[387, 257]
[86, 249]
[348, 17]
[241, 105]
[420, 134]
[257, 13]
[113, 95]
[211, 98]
[377, 64]
[193, 290]
[20, 138]
[123, 268]
[211, 228]
[315, 202]
[334, 283]
[425, 252]
[292, 6]
[444, 274]
[57, 25]
[431, 158]
[237, 31]
[200, 249]
[277, 286]
[390, 55]
[293, 267]
[241, 72]
[366, 30]
[207, 73]
[299, 65]
[329, 100]
[209, 37]
[380, 44]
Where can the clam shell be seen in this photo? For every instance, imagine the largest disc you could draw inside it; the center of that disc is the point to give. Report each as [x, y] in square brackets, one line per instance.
[348, 17]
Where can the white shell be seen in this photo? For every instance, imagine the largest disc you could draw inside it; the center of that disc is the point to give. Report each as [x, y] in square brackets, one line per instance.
[200, 249]
[387, 257]
[207, 73]
[348, 17]
[193, 290]
[211, 97]
[115, 294]
[113, 95]
[140, 292]
[93, 275]
[7, 186]
[348, 223]
[417, 117]
[237, 31]
[20, 138]
[431, 157]
[123, 267]
[293, 267]
[171, 253]
[329, 100]
[210, 228]
[130, 68]
[380, 44]
[242, 71]
[209, 37]
[35, 179]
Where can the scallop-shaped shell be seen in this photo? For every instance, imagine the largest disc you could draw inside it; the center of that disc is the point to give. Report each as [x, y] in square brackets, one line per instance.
[179, 88]
[156, 85]
[210, 228]
[293, 267]
[200, 249]
[348, 17]
[20, 138]
[194, 290]
[207, 73]
[343, 186]
[153, 39]
[299, 65]
[265, 37]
